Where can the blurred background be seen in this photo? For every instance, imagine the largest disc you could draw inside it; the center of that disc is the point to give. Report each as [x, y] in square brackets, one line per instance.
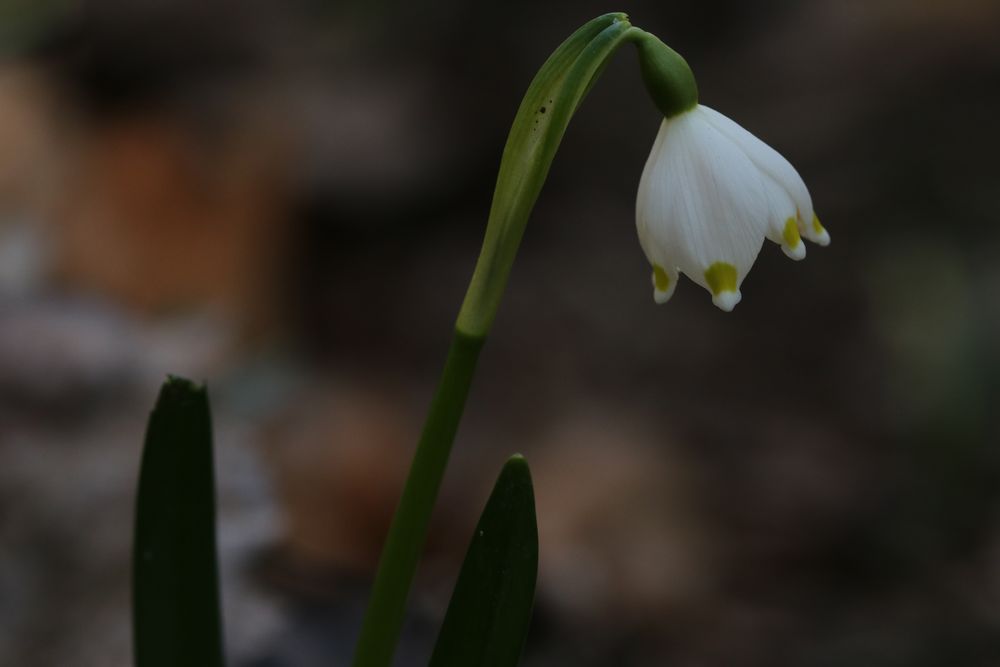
[286, 199]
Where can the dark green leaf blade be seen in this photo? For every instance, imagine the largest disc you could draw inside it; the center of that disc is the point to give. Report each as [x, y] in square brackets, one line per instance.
[175, 588]
[490, 609]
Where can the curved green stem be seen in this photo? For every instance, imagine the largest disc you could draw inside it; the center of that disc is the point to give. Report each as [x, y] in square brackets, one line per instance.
[539, 125]
[408, 531]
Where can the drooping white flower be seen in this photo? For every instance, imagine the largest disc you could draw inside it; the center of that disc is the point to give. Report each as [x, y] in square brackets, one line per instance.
[710, 194]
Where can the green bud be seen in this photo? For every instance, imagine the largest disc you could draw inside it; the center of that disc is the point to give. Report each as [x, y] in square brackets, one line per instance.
[667, 76]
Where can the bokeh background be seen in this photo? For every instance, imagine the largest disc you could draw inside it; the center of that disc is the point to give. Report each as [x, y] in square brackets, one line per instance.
[286, 199]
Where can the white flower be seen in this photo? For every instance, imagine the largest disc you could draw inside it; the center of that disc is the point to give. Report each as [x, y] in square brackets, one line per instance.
[710, 194]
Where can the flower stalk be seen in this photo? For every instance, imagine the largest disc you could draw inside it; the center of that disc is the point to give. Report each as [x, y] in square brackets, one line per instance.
[408, 531]
[539, 125]
[536, 133]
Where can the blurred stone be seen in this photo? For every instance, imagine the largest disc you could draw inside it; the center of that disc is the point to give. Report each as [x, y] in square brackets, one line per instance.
[153, 220]
[619, 524]
[63, 359]
[339, 459]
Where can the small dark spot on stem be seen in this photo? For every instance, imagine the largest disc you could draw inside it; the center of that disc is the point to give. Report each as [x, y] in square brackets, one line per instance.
[542, 109]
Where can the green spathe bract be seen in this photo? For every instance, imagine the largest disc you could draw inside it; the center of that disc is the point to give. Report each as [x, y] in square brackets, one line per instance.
[559, 87]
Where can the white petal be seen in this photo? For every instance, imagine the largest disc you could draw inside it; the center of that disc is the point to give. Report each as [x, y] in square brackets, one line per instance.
[782, 227]
[727, 300]
[701, 200]
[664, 283]
[774, 165]
[649, 214]
[818, 233]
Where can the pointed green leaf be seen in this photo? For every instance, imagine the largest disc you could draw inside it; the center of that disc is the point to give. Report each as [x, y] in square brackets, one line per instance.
[175, 589]
[490, 608]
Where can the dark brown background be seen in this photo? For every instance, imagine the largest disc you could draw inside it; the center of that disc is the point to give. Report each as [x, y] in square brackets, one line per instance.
[286, 199]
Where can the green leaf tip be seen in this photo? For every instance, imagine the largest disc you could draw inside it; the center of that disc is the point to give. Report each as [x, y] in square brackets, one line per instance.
[176, 386]
[182, 382]
[179, 395]
[490, 609]
[175, 590]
